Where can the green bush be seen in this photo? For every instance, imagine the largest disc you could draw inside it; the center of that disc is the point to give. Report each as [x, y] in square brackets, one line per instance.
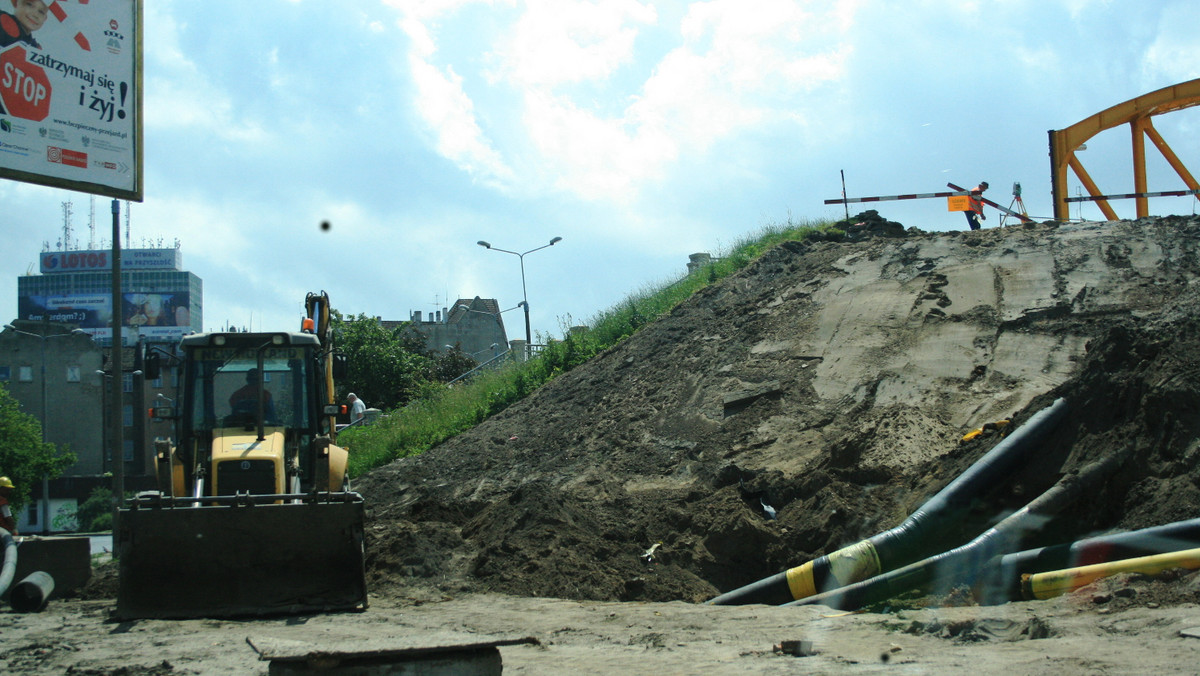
[95, 514]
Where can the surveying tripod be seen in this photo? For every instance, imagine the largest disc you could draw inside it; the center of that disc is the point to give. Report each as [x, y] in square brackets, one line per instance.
[1018, 203]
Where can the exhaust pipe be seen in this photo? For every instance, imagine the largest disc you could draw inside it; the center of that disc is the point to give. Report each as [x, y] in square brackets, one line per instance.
[912, 539]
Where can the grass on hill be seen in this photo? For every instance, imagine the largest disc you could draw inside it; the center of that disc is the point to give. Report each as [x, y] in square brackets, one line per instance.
[443, 412]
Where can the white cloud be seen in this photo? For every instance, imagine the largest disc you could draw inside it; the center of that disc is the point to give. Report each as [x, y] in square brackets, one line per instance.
[180, 97]
[591, 156]
[740, 64]
[449, 113]
[734, 66]
[433, 9]
[193, 218]
[745, 43]
[1173, 56]
[1077, 8]
[557, 41]
[179, 104]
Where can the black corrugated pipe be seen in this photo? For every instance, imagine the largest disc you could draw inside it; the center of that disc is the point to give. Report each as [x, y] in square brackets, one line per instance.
[963, 565]
[9, 570]
[31, 594]
[1003, 581]
[917, 537]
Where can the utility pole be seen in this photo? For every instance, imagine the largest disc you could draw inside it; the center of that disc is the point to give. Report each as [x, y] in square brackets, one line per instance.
[118, 377]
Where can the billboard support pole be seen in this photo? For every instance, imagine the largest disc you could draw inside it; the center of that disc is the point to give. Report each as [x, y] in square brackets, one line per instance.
[117, 373]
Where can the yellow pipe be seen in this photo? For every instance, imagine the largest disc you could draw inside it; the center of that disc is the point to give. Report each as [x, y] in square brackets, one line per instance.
[1059, 582]
[1093, 190]
[1138, 130]
[1170, 156]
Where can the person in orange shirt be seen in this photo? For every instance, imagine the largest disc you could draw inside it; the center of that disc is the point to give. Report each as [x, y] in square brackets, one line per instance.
[7, 522]
[976, 201]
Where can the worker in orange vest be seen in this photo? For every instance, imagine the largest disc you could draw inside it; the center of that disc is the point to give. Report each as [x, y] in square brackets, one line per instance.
[975, 199]
[7, 522]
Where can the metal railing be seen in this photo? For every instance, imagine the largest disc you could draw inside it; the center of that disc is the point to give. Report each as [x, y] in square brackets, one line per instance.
[491, 363]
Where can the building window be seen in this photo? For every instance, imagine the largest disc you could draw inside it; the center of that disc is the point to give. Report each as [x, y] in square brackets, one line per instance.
[128, 450]
[127, 415]
[72, 374]
[25, 374]
[5, 373]
[127, 382]
[32, 514]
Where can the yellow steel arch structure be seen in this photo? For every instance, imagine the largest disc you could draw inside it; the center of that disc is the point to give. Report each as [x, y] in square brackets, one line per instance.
[1136, 113]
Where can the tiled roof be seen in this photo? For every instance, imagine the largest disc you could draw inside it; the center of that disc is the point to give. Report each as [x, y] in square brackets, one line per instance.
[476, 304]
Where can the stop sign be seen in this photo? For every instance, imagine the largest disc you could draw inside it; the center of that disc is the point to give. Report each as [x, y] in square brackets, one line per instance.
[24, 87]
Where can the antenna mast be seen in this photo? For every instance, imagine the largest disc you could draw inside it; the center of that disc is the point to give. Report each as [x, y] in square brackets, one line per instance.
[66, 208]
[91, 222]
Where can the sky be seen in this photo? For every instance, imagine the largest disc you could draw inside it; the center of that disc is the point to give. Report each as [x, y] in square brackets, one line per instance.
[638, 132]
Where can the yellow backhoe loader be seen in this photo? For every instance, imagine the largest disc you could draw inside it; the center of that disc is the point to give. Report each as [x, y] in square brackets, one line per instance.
[253, 514]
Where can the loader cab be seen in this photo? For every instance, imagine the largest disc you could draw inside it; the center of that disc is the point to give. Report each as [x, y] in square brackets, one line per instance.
[252, 412]
[231, 378]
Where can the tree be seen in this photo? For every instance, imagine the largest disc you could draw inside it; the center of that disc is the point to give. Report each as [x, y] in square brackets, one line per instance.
[95, 514]
[452, 364]
[24, 457]
[386, 368]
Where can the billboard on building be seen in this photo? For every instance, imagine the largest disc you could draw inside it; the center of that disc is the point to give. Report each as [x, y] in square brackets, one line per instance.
[71, 95]
[53, 262]
[157, 316]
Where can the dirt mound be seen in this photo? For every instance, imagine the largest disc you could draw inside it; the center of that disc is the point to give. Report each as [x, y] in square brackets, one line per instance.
[814, 399]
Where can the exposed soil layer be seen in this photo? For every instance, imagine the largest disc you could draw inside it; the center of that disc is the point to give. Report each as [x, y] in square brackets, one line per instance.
[831, 382]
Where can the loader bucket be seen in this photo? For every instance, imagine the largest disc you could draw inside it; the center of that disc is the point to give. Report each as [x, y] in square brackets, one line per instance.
[252, 555]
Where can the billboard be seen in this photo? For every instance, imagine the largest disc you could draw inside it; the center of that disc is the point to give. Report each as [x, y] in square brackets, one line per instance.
[157, 316]
[95, 261]
[71, 96]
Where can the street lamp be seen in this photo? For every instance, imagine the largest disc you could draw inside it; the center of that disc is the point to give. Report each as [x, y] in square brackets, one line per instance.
[524, 294]
[42, 338]
[491, 347]
[467, 308]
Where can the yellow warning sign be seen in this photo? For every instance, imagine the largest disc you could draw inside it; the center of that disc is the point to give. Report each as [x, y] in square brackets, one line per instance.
[958, 203]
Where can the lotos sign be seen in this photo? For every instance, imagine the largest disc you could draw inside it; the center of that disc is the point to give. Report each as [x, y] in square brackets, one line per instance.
[24, 87]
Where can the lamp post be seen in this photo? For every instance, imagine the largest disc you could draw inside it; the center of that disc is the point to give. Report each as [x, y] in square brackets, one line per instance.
[524, 294]
[42, 338]
[491, 347]
[466, 308]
